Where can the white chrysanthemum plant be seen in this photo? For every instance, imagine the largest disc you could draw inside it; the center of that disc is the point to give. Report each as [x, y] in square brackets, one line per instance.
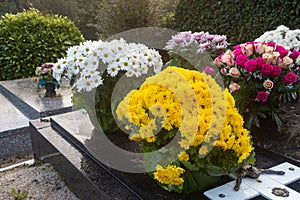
[83, 62]
[96, 66]
[283, 36]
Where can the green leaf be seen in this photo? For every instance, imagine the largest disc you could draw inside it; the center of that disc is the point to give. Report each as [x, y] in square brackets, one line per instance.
[189, 165]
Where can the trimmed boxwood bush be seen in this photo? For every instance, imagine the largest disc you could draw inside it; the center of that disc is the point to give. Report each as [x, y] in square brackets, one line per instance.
[30, 38]
[240, 20]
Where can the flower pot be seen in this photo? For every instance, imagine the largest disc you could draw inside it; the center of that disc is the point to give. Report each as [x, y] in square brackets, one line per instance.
[50, 90]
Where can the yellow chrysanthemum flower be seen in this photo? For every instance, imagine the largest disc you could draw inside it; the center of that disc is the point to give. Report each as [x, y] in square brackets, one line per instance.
[183, 156]
[169, 175]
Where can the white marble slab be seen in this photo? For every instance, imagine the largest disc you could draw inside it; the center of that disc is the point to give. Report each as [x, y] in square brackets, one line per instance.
[292, 173]
[229, 193]
[263, 186]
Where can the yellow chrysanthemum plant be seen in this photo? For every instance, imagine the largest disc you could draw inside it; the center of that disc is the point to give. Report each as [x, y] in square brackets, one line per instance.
[191, 124]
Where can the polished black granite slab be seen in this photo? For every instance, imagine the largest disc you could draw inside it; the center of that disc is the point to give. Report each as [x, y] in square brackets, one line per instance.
[25, 96]
[21, 101]
[14, 131]
[67, 139]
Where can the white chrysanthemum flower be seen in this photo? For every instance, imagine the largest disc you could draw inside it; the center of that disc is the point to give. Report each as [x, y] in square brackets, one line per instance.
[85, 84]
[112, 69]
[136, 70]
[129, 73]
[157, 67]
[106, 56]
[96, 80]
[57, 76]
[125, 63]
[144, 69]
[148, 60]
[73, 51]
[60, 66]
[74, 69]
[83, 63]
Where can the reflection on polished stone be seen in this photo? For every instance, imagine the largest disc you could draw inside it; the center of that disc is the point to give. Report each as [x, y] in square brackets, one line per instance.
[25, 91]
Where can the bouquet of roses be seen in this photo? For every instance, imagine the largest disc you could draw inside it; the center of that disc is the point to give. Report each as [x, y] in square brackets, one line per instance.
[261, 76]
[189, 127]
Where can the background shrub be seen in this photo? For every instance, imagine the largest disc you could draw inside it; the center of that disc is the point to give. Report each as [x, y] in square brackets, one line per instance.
[30, 38]
[240, 20]
[98, 19]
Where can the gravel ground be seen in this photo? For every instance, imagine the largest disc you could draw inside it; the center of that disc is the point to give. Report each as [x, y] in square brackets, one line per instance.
[41, 181]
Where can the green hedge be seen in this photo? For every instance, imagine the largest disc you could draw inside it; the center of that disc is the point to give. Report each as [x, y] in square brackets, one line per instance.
[240, 20]
[30, 38]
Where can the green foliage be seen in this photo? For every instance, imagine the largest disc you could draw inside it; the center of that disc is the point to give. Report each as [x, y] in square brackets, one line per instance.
[18, 195]
[118, 15]
[30, 38]
[241, 21]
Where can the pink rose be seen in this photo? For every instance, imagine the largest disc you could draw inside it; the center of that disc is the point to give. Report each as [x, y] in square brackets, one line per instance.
[294, 55]
[241, 59]
[227, 59]
[237, 52]
[262, 96]
[229, 52]
[290, 77]
[276, 71]
[285, 62]
[259, 62]
[283, 51]
[298, 60]
[267, 57]
[218, 60]
[234, 72]
[35, 79]
[271, 44]
[248, 49]
[234, 87]
[223, 70]
[259, 48]
[250, 65]
[266, 69]
[45, 70]
[237, 47]
[268, 84]
[274, 58]
[209, 70]
[269, 49]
